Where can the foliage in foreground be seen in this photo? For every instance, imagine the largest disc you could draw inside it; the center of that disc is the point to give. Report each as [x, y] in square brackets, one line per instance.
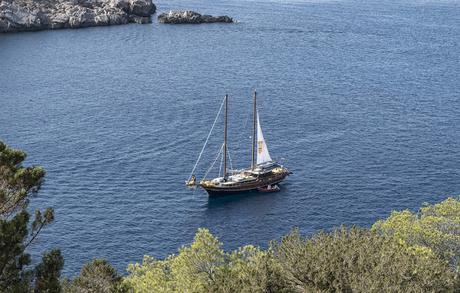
[344, 260]
[17, 185]
[435, 229]
[96, 276]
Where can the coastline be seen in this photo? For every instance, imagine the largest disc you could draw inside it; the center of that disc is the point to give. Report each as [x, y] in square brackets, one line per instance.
[25, 15]
[364, 106]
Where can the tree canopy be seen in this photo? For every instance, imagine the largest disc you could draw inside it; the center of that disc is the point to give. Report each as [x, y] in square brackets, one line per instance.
[17, 185]
[344, 260]
[434, 229]
[97, 276]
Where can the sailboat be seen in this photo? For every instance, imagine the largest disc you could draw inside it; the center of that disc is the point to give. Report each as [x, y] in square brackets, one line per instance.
[263, 175]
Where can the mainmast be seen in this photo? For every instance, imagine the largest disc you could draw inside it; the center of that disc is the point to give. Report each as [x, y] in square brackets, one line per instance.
[254, 121]
[225, 137]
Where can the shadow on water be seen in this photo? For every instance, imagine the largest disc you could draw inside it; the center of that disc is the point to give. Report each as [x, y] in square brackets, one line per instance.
[252, 199]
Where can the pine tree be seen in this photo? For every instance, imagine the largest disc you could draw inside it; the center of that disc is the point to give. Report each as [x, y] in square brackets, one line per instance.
[17, 185]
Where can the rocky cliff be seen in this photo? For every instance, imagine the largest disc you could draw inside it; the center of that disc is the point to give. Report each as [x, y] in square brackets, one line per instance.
[29, 15]
[178, 17]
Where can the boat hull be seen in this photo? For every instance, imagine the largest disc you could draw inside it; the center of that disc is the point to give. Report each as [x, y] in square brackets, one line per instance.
[216, 191]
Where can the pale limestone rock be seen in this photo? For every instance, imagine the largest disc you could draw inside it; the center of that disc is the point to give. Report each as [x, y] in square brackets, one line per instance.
[26, 15]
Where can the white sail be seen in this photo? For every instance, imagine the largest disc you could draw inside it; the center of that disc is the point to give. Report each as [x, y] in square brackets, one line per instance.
[262, 151]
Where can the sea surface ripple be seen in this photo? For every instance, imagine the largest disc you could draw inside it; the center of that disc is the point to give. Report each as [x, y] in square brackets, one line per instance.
[360, 99]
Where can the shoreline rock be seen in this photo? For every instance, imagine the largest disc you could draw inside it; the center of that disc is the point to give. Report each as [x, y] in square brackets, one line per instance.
[33, 15]
[191, 17]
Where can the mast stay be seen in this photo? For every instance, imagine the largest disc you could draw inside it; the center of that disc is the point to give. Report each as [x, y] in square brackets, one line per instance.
[207, 139]
[215, 160]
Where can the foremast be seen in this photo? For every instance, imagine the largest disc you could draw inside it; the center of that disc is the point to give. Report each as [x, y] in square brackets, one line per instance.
[254, 121]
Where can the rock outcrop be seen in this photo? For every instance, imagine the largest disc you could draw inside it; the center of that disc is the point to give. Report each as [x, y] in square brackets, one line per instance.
[30, 15]
[178, 17]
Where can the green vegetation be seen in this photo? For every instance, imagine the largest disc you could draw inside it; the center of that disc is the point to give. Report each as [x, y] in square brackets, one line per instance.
[344, 260]
[408, 252]
[17, 185]
[96, 276]
[435, 229]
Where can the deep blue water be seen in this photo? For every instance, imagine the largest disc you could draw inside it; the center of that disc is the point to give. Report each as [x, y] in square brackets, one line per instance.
[360, 99]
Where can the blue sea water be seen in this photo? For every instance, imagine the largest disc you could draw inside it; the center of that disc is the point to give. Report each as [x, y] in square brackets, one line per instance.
[360, 99]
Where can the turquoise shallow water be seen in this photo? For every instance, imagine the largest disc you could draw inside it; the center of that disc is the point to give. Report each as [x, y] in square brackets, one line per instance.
[360, 99]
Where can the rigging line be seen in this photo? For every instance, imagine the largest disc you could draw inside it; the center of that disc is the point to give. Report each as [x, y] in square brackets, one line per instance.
[242, 133]
[207, 139]
[221, 161]
[239, 139]
[230, 160]
[215, 160]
